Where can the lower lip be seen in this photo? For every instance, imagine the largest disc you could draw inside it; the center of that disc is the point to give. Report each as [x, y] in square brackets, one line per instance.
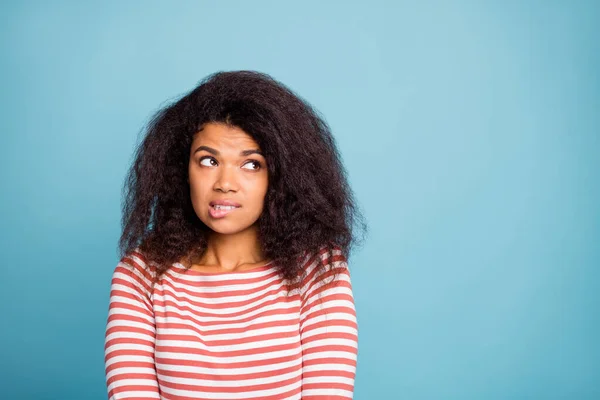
[215, 213]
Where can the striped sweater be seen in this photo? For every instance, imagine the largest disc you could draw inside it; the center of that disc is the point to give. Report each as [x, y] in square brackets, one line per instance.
[230, 335]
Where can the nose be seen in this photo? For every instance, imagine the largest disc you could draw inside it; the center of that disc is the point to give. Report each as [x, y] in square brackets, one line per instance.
[226, 180]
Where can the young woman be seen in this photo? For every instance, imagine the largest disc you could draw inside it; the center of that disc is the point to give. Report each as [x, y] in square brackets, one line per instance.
[237, 223]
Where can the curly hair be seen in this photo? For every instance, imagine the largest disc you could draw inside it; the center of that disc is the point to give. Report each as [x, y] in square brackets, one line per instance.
[308, 207]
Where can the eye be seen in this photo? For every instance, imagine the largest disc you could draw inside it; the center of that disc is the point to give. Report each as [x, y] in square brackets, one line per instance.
[254, 165]
[208, 161]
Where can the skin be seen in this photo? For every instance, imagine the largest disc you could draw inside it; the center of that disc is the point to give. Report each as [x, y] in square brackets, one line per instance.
[218, 170]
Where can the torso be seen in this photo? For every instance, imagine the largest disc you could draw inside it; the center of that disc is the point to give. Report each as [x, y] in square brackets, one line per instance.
[227, 335]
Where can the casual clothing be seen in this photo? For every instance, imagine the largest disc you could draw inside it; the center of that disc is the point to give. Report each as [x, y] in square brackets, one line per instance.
[231, 335]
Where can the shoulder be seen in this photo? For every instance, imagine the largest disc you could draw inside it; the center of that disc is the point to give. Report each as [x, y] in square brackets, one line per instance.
[135, 269]
[325, 258]
[324, 269]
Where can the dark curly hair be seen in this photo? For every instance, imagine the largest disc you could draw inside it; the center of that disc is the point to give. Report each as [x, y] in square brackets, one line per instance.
[308, 207]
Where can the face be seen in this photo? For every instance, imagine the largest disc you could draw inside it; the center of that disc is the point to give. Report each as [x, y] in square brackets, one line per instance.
[228, 178]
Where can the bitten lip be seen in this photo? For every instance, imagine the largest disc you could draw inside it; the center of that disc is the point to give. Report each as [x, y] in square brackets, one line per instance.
[224, 203]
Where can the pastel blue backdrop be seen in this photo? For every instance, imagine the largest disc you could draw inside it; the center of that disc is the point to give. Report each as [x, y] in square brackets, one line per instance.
[471, 135]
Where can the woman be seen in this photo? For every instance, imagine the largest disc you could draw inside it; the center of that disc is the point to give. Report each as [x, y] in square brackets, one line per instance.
[233, 281]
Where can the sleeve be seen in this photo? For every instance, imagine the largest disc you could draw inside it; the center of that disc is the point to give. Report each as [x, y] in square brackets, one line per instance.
[328, 331]
[130, 334]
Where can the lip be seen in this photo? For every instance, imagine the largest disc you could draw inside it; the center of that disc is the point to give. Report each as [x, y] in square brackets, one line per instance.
[214, 213]
[224, 203]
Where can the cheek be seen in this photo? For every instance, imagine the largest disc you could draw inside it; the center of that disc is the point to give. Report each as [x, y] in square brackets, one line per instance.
[255, 191]
[198, 188]
[262, 192]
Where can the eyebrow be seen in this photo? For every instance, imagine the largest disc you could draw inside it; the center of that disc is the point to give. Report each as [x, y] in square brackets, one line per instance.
[243, 153]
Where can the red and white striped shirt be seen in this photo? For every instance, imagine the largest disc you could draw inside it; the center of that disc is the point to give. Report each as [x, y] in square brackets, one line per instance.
[231, 335]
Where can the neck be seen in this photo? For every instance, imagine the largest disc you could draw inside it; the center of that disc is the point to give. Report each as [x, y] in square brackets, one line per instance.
[232, 251]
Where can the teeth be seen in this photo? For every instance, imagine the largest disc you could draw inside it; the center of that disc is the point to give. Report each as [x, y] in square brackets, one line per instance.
[219, 207]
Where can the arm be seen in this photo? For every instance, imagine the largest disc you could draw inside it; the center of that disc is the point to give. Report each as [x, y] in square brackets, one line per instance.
[328, 333]
[130, 333]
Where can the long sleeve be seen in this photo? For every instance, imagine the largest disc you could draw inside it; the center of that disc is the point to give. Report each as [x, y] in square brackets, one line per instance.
[328, 332]
[130, 334]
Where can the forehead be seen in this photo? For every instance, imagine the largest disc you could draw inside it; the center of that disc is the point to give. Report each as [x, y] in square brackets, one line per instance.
[221, 135]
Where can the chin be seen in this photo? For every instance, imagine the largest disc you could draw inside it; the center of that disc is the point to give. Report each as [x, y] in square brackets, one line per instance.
[227, 227]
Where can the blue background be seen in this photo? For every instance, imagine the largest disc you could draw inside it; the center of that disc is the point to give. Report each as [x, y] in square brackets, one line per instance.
[470, 131]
